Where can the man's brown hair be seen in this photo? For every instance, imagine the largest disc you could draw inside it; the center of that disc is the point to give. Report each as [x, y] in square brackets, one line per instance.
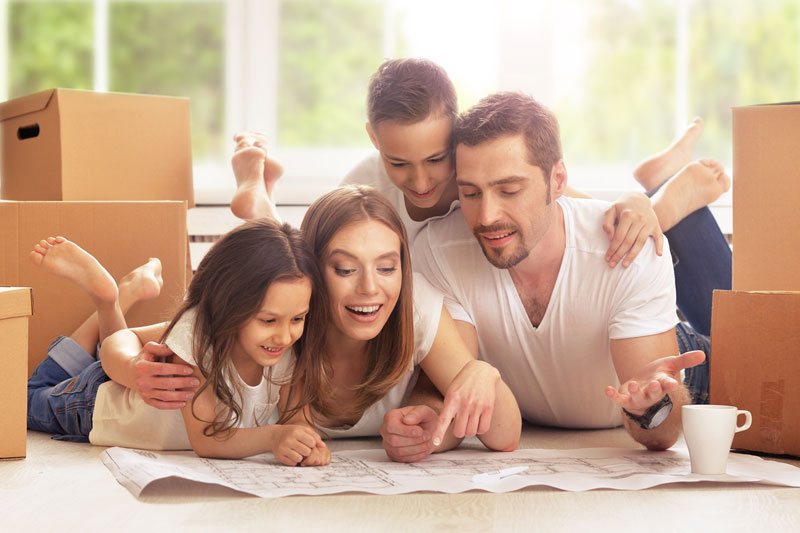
[511, 113]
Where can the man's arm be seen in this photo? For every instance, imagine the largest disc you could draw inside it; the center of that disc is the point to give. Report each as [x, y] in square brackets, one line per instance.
[647, 371]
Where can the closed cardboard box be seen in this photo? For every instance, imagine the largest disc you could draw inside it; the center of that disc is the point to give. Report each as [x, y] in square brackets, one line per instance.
[755, 365]
[766, 197]
[15, 308]
[121, 235]
[66, 144]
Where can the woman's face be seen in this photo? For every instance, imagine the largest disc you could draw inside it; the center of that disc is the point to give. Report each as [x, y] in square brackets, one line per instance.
[363, 276]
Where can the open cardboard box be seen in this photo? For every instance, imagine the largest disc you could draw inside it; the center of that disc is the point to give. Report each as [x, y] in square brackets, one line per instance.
[755, 365]
[64, 144]
[121, 235]
[15, 309]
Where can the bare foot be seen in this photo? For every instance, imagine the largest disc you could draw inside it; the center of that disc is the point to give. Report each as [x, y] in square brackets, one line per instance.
[698, 184]
[66, 259]
[255, 174]
[142, 283]
[657, 169]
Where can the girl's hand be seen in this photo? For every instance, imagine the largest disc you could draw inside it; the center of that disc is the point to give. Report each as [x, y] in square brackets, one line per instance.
[469, 402]
[293, 443]
[319, 456]
[629, 223]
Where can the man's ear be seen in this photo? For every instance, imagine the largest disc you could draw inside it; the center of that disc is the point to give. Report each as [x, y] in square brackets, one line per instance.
[372, 136]
[558, 177]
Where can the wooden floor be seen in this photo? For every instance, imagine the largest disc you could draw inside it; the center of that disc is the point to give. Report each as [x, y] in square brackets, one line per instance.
[64, 487]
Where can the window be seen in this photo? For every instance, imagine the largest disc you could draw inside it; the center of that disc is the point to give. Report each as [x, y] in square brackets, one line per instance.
[622, 75]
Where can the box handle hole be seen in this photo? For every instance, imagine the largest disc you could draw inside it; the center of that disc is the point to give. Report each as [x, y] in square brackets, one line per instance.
[28, 132]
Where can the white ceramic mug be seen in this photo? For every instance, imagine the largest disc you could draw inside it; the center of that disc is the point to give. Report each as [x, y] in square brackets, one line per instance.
[708, 430]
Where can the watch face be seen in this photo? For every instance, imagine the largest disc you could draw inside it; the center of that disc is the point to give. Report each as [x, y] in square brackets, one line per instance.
[660, 415]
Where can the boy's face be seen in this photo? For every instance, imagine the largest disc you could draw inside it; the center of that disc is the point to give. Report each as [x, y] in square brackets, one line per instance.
[417, 157]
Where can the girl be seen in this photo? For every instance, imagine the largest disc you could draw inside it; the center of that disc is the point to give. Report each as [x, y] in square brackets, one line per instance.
[245, 307]
[375, 325]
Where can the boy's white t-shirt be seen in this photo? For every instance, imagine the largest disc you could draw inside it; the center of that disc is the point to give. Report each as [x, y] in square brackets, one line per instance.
[427, 313]
[370, 171]
[122, 418]
[558, 371]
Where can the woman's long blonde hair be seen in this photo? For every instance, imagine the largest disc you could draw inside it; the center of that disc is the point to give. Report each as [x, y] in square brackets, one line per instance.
[389, 354]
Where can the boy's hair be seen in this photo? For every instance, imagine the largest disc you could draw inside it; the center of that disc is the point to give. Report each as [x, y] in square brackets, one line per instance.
[511, 113]
[410, 90]
[389, 354]
[228, 290]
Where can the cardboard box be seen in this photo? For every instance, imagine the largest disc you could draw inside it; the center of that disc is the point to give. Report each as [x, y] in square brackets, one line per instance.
[66, 144]
[755, 365]
[15, 308]
[121, 235]
[766, 197]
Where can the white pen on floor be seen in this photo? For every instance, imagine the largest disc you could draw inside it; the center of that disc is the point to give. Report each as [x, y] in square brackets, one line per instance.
[497, 475]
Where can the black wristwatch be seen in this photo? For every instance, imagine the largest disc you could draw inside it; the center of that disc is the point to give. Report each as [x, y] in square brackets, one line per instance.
[655, 414]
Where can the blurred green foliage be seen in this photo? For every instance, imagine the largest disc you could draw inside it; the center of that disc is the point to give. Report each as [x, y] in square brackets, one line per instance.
[321, 94]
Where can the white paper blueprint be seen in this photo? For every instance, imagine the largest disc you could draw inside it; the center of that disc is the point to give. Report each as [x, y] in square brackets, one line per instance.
[451, 472]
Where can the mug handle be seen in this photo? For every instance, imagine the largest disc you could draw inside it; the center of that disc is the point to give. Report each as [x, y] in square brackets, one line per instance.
[748, 419]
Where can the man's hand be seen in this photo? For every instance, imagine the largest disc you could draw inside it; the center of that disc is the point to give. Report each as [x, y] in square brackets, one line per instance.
[655, 380]
[629, 223]
[163, 385]
[408, 433]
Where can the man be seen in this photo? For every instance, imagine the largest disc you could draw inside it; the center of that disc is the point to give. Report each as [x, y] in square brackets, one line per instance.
[523, 272]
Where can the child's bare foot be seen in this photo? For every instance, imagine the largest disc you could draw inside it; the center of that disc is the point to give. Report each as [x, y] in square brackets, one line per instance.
[655, 170]
[698, 184]
[142, 283]
[66, 259]
[255, 174]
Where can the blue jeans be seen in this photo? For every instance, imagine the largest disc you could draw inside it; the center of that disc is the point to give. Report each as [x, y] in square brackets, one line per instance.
[702, 261]
[697, 379]
[62, 391]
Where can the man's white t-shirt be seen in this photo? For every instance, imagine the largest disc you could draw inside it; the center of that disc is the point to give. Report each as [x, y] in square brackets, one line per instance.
[558, 371]
[370, 171]
[427, 312]
[122, 418]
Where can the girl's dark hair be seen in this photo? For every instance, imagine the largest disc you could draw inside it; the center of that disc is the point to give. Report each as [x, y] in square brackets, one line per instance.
[228, 289]
[390, 352]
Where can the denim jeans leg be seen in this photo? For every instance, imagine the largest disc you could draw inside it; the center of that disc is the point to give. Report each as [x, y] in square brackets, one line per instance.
[61, 402]
[702, 260]
[697, 379]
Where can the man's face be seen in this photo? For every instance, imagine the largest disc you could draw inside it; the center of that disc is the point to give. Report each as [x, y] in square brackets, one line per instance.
[504, 198]
[417, 157]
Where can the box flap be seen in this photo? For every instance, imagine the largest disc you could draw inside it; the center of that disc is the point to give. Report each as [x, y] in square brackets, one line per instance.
[25, 104]
[15, 301]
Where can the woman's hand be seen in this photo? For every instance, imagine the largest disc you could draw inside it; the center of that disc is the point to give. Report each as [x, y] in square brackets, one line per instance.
[469, 402]
[319, 456]
[628, 224]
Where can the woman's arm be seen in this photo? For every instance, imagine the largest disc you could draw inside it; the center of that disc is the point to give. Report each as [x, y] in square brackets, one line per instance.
[477, 400]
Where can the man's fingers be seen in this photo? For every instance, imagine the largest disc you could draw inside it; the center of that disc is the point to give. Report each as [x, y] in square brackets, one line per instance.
[635, 249]
[659, 238]
[159, 404]
[687, 360]
[609, 219]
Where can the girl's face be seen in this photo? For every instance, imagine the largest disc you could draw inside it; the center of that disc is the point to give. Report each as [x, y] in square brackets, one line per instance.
[278, 323]
[363, 277]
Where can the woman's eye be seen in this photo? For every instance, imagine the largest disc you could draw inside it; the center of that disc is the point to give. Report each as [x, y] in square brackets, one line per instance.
[387, 270]
[300, 318]
[344, 271]
[397, 165]
[436, 159]
[267, 320]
